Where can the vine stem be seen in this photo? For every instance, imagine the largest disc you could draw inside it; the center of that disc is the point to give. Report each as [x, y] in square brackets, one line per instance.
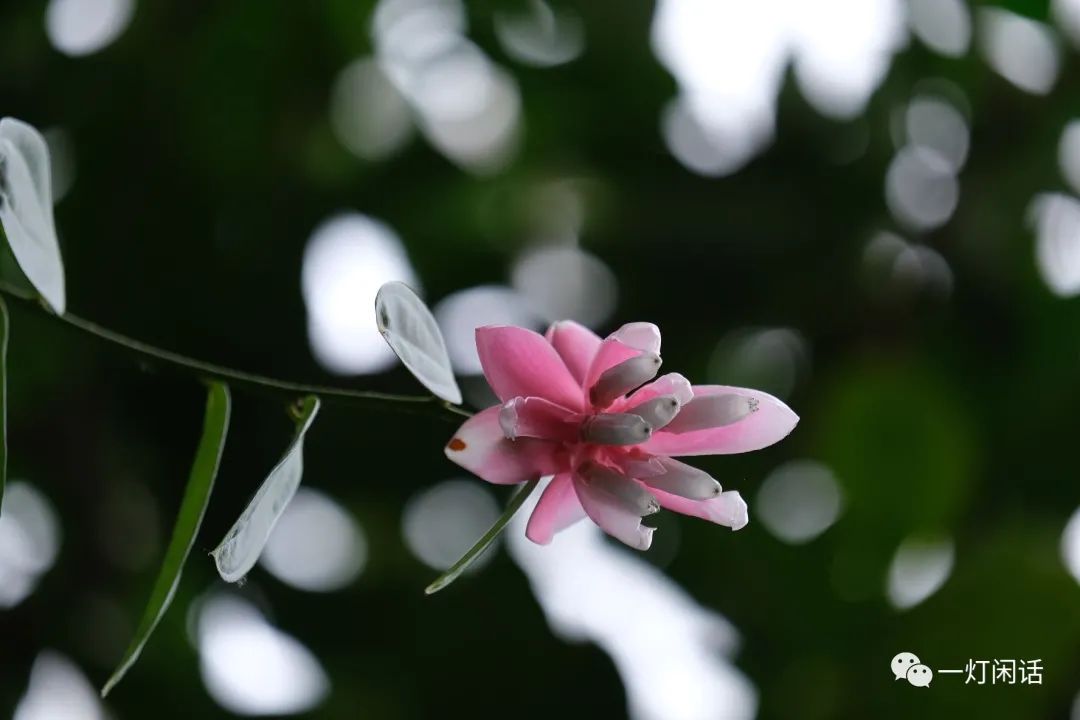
[426, 404]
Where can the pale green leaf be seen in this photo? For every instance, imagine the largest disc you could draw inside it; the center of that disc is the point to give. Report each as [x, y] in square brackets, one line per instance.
[4, 330]
[412, 333]
[26, 209]
[244, 542]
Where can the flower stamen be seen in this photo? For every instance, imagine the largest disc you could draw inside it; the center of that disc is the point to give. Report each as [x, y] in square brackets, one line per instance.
[620, 379]
[684, 480]
[615, 429]
[711, 411]
[620, 488]
[658, 412]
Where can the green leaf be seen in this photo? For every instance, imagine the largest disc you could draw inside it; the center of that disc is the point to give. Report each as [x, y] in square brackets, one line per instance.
[4, 322]
[485, 540]
[196, 497]
[243, 544]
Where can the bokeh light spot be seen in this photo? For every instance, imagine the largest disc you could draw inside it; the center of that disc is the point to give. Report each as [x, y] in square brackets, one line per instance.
[842, 50]
[898, 270]
[461, 313]
[468, 107]
[1021, 50]
[1069, 154]
[540, 36]
[408, 33]
[250, 667]
[368, 114]
[347, 259]
[83, 27]
[316, 545]
[798, 501]
[918, 570]
[769, 359]
[443, 521]
[58, 691]
[920, 188]
[944, 26]
[672, 653]
[1070, 545]
[563, 282]
[729, 58]
[1057, 241]
[1067, 15]
[934, 124]
[29, 541]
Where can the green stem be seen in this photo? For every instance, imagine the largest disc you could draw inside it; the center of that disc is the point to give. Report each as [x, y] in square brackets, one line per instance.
[473, 554]
[239, 378]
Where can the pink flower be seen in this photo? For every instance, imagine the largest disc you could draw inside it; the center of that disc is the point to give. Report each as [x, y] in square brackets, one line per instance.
[566, 413]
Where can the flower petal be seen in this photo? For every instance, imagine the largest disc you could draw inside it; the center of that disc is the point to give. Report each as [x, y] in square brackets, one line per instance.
[628, 341]
[520, 362]
[480, 447]
[727, 509]
[641, 335]
[576, 344]
[770, 423]
[617, 517]
[536, 417]
[557, 509]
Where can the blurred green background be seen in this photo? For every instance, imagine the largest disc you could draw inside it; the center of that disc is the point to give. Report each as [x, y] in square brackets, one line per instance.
[865, 207]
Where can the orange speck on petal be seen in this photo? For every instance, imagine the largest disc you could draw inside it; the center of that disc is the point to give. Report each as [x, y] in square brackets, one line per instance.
[456, 444]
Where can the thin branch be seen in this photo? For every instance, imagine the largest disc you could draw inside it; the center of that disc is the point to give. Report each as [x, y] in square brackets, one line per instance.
[425, 404]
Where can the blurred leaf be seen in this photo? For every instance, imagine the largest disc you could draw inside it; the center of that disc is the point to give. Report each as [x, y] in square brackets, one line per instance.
[411, 331]
[196, 497]
[244, 542]
[896, 425]
[26, 209]
[902, 446]
[485, 540]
